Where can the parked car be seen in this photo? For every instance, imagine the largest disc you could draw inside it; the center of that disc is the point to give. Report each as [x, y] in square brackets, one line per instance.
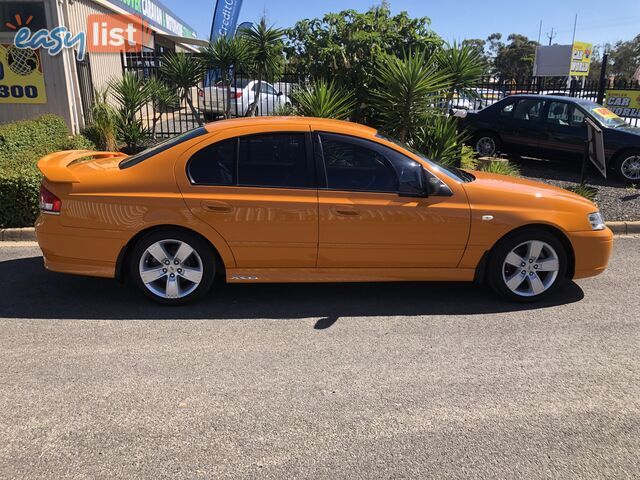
[293, 199]
[553, 127]
[479, 98]
[212, 100]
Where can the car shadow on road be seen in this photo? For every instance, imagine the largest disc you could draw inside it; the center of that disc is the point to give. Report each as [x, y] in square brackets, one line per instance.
[31, 292]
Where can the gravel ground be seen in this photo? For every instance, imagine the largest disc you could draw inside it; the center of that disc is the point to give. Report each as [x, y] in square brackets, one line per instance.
[617, 201]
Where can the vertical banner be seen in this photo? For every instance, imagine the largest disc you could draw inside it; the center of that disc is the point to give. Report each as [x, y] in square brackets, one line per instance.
[21, 77]
[580, 59]
[225, 18]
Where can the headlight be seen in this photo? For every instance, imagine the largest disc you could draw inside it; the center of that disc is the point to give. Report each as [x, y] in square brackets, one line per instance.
[596, 221]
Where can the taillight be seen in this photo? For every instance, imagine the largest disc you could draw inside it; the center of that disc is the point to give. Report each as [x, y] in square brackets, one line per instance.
[237, 94]
[49, 203]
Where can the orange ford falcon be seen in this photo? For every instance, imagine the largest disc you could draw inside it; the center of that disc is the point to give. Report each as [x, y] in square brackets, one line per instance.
[307, 200]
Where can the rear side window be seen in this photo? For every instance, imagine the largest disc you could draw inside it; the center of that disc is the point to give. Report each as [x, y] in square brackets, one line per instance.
[214, 164]
[274, 160]
[507, 110]
[528, 109]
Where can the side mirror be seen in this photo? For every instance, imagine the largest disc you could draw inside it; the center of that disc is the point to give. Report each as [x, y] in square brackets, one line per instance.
[435, 187]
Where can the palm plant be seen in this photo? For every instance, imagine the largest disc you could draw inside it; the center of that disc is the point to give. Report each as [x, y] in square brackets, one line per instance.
[266, 50]
[325, 100]
[183, 72]
[223, 54]
[439, 139]
[103, 127]
[409, 88]
[132, 93]
[163, 98]
[464, 65]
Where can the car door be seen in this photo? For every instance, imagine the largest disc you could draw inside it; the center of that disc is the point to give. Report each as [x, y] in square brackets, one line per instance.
[565, 131]
[258, 192]
[365, 223]
[521, 128]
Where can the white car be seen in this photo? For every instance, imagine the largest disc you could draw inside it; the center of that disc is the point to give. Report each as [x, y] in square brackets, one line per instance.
[212, 100]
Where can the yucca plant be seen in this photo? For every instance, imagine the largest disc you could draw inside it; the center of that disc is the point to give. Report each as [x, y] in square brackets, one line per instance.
[464, 67]
[183, 72]
[103, 128]
[324, 100]
[439, 139]
[163, 98]
[408, 89]
[266, 55]
[132, 93]
[224, 54]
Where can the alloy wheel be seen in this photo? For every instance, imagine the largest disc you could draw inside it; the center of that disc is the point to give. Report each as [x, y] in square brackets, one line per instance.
[631, 167]
[170, 269]
[531, 268]
[486, 146]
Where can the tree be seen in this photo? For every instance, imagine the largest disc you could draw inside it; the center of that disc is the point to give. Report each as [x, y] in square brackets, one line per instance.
[266, 51]
[183, 71]
[409, 87]
[515, 59]
[345, 46]
[162, 97]
[131, 93]
[464, 66]
[625, 58]
[224, 54]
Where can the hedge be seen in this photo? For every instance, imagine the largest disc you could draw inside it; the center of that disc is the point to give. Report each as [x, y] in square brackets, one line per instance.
[22, 144]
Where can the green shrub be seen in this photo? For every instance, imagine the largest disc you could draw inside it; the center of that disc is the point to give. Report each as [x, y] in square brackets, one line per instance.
[468, 159]
[17, 137]
[584, 191]
[19, 192]
[502, 168]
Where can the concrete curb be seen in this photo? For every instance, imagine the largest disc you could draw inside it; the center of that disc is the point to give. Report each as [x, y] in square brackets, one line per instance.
[29, 234]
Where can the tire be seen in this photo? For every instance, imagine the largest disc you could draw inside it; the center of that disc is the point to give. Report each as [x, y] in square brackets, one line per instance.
[544, 273]
[173, 283]
[627, 166]
[482, 141]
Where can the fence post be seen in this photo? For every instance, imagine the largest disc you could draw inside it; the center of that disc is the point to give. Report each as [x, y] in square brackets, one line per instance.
[603, 78]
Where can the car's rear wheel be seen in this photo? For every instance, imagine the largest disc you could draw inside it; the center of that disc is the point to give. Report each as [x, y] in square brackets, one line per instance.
[173, 267]
[627, 166]
[486, 144]
[528, 265]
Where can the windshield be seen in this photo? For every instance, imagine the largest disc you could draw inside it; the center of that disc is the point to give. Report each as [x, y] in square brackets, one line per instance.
[605, 116]
[452, 172]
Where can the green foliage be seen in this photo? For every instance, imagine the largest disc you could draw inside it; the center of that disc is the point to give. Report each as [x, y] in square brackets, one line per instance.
[438, 139]
[468, 160]
[463, 65]
[324, 100]
[585, 191]
[344, 47]
[287, 110]
[24, 143]
[223, 54]
[501, 168]
[163, 98]
[624, 58]
[104, 127]
[408, 89]
[16, 137]
[183, 71]
[265, 54]
[515, 59]
[132, 93]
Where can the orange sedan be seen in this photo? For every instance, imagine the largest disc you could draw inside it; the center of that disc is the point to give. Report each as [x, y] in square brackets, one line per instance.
[307, 200]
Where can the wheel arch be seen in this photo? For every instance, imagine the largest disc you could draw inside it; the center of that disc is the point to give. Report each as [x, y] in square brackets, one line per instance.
[481, 269]
[124, 255]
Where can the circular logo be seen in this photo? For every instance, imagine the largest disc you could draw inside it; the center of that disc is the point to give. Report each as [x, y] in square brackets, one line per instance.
[22, 61]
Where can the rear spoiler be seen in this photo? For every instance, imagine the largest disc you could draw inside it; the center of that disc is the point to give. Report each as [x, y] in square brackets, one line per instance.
[54, 166]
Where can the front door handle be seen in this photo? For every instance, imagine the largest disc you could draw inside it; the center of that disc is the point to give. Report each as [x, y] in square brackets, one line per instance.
[216, 206]
[346, 212]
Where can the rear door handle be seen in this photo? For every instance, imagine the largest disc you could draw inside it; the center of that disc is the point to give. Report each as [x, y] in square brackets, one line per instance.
[346, 211]
[216, 206]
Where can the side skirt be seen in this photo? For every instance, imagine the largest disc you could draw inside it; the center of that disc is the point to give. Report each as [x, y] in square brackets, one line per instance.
[330, 275]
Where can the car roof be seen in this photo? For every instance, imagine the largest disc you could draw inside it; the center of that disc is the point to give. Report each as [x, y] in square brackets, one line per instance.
[551, 97]
[314, 123]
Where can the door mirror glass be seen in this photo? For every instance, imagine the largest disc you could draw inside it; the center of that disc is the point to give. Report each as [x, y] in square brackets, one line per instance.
[435, 187]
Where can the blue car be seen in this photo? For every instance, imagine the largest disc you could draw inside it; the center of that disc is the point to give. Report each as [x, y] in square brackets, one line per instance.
[553, 127]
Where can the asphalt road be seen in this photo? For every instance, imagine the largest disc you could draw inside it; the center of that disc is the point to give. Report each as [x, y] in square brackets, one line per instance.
[318, 381]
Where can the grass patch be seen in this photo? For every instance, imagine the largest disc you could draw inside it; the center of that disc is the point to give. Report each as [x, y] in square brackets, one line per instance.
[584, 191]
[501, 168]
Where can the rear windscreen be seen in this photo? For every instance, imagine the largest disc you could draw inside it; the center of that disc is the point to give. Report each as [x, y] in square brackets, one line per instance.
[161, 147]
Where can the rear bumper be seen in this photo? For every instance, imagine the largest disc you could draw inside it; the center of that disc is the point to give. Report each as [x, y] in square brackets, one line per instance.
[80, 251]
[592, 252]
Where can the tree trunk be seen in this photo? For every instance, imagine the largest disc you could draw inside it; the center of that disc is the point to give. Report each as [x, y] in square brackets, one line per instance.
[254, 106]
[194, 110]
[227, 104]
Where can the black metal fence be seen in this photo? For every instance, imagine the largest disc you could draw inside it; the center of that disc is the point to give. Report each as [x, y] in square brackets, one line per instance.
[213, 100]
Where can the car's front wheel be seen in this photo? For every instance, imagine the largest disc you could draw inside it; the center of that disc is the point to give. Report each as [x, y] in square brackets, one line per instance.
[486, 144]
[627, 166]
[172, 267]
[528, 265]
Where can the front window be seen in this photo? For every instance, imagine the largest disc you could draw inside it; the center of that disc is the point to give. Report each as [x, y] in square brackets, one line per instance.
[528, 109]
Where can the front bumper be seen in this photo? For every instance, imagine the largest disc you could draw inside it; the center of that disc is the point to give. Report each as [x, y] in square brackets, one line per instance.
[80, 251]
[592, 250]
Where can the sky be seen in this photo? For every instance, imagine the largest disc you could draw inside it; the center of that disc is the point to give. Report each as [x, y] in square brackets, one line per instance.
[599, 21]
